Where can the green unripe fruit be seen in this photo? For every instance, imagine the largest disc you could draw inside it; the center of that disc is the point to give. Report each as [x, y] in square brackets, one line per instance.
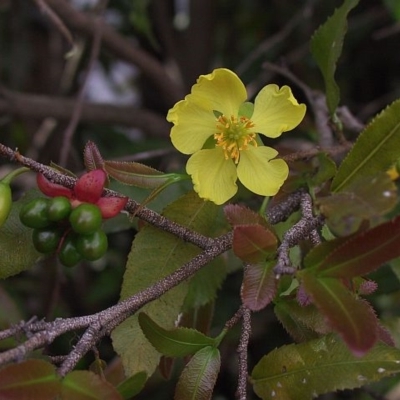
[59, 208]
[92, 246]
[34, 213]
[46, 240]
[85, 219]
[69, 254]
[5, 202]
[6, 195]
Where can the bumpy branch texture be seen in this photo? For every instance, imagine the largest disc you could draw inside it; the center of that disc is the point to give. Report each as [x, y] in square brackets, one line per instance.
[98, 325]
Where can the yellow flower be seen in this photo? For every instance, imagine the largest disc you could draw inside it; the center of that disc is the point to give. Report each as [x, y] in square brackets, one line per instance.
[220, 130]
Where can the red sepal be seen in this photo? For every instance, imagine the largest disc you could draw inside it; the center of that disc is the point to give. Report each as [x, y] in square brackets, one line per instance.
[89, 186]
[52, 189]
[111, 206]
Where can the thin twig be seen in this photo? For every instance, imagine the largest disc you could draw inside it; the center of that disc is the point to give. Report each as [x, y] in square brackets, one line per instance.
[41, 333]
[132, 206]
[299, 231]
[243, 353]
[307, 212]
[102, 323]
[282, 210]
[234, 319]
[109, 320]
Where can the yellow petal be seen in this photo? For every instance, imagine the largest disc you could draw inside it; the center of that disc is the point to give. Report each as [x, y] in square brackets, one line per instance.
[193, 118]
[276, 111]
[222, 90]
[259, 173]
[214, 178]
[193, 125]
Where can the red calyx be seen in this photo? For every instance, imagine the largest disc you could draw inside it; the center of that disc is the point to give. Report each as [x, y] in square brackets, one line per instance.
[90, 186]
[88, 189]
[111, 206]
[52, 189]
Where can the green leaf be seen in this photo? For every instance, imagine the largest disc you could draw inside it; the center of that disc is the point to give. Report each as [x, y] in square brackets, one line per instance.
[132, 386]
[259, 285]
[326, 48]
[16, 248]
[376, 149]
[304, 371]
[363, 199]
[353, 318]
[203, 286]
[31, 379]
[357, 255]
[199, 376]
[85, 385]
[136, 174]
[154, 255]
[302, 323]
[179, 342]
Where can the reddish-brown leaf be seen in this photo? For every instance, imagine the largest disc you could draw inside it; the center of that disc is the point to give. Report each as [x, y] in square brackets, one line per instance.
[253, 243]
[259, 285]
[363, 252]
[353, 318]
[31, 379]
[241, 215]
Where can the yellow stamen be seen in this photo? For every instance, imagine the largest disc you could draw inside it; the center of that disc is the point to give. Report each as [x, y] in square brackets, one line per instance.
[234, 135]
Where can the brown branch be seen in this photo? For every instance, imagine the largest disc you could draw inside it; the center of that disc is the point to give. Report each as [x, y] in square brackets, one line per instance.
[305, 228]
[102, 323]
[243, 352]
[61, 108]
[132, 206]
[112, 317]
[234, 319]
[98, 325]
[121, 47]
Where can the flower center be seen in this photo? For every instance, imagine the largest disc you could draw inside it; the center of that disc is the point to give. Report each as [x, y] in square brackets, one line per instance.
[234, 135]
